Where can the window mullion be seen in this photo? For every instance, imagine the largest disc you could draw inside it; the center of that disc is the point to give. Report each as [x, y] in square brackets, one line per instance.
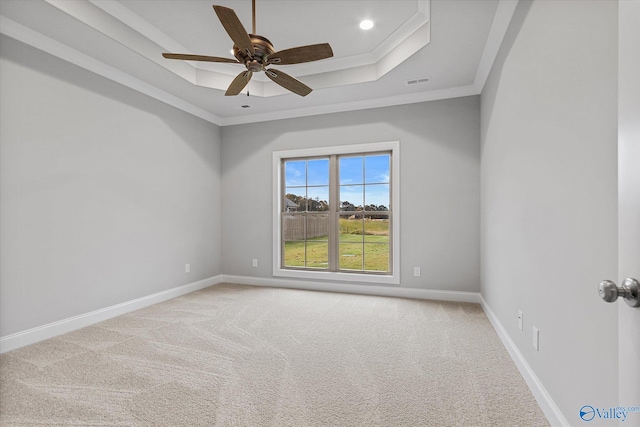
[282, 209]
[334, 201]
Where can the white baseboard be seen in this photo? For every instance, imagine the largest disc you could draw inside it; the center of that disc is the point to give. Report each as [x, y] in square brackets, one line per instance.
[51, 330]
[40, 333]
[347, 288]
[548, 406]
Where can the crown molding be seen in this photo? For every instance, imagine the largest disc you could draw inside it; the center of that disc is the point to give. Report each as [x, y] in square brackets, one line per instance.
[366, 104]
[33, 38]
[500, 24]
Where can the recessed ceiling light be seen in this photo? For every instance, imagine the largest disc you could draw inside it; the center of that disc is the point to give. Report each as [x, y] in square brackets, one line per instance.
[366, 24]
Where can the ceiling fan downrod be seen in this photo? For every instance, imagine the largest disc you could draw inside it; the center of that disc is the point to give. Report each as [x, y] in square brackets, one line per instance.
[253, 16]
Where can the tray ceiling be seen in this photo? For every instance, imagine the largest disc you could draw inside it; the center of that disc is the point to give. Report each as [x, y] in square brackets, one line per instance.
[443, 48]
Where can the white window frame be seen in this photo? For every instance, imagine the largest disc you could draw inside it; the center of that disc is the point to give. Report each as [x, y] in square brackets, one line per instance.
[337, 276]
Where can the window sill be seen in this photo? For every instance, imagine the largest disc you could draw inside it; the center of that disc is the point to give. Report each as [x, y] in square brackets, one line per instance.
[338, 276]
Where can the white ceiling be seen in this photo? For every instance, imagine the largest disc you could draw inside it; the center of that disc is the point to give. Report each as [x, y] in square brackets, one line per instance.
[451, 42]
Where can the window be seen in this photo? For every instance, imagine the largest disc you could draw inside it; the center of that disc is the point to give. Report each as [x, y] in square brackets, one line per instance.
[305, 213]
[364, 218]
[336, 213]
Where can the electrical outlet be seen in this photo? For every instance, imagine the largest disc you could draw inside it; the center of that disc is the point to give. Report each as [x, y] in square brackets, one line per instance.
[536, 338]
[520, 319]
[416, 271]
[255, 263]
[187, 268]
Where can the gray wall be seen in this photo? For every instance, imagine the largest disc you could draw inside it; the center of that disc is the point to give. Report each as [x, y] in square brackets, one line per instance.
[105, 193]
[549, 194]
[439, 172]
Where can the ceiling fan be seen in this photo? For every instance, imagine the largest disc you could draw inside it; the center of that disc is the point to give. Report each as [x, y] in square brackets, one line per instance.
[257, 53]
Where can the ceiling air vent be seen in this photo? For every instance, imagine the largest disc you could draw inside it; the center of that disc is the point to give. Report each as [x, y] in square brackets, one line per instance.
[418, 81]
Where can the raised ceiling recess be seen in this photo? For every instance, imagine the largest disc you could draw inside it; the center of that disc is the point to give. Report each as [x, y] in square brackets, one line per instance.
[396, 44]
[446, 46]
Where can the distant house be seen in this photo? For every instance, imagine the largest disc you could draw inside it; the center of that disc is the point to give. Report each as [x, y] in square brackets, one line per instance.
[290, 205]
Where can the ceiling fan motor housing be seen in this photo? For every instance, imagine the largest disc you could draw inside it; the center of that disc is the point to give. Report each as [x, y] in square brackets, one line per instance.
[263, 48]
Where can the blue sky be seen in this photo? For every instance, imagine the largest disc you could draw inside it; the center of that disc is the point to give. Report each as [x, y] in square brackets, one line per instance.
[372, 170]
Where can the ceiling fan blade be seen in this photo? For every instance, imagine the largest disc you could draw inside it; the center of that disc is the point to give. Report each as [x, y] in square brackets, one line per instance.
[238, 83]
[204, 58]
[288, 82]
[297, 55]
[234, 28]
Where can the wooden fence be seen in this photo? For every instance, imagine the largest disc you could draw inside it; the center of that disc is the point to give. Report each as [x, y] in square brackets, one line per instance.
[293, 226]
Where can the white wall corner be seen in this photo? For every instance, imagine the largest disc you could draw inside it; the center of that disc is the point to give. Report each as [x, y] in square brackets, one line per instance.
[542, 396]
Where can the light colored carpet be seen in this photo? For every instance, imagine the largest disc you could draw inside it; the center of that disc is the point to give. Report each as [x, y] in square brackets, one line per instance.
[235, 355]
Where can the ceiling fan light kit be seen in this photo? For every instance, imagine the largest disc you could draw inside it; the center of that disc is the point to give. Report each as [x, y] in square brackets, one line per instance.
[257, 53]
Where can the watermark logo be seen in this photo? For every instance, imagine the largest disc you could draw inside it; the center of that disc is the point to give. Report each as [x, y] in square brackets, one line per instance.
[618, 413]
[587, 413]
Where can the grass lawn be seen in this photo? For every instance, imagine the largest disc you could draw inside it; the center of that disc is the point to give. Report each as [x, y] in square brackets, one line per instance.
[358, 239]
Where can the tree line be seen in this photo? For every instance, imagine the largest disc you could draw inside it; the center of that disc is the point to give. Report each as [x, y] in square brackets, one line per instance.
[317, 205]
